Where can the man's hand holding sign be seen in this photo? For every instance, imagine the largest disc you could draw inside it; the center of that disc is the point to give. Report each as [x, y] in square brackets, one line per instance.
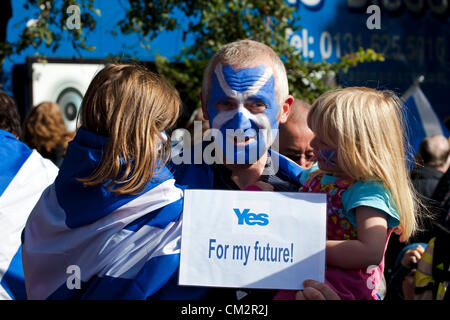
[247, 239]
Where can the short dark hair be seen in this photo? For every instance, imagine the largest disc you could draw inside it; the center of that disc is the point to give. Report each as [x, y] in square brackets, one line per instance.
[9, 115]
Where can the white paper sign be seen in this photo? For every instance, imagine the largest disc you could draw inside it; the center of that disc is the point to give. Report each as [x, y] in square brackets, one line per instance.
[252, 239]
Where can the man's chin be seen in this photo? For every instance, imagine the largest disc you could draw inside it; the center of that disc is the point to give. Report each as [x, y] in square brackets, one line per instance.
[243, 158]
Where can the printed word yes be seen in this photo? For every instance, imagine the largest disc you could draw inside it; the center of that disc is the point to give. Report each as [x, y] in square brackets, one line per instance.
[249, 218]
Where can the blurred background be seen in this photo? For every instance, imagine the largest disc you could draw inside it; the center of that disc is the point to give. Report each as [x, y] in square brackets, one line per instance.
[50, 52]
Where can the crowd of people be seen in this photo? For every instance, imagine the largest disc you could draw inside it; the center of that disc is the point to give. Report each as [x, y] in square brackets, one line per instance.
[108, 199]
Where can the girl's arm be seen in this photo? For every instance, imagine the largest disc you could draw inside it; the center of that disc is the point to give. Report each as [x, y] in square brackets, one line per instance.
[368, 249]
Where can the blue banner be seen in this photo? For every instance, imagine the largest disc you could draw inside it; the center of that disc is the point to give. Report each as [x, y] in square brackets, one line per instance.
[413, 35]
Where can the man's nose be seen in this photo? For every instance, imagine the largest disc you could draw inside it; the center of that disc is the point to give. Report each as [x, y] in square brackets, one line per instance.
[304, 163]
[240, 121]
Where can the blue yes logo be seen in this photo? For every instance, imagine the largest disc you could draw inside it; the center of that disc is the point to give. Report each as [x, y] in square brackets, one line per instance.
[246, 217]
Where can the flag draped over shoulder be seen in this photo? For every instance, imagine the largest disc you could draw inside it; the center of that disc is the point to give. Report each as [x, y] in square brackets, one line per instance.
[420, 119]
[24, 175]
[117, 246]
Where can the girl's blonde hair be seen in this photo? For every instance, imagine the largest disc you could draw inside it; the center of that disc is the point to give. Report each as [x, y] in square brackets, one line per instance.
[131, 106]
[365, 126]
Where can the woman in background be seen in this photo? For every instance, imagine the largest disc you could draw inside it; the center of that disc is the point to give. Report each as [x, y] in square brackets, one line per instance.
[45, 131]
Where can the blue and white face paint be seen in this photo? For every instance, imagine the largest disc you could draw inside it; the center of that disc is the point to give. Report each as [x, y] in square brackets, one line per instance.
[256, 130]
[328, 157]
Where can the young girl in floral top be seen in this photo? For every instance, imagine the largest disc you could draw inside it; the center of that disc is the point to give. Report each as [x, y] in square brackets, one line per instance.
[359, 145]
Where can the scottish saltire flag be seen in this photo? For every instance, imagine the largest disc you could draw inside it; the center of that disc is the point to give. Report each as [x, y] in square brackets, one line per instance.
[87, 243]
[420, 119]
[24, 175]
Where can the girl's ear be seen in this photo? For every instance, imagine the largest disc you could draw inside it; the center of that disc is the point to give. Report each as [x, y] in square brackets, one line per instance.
[204, 108]
[286, 108]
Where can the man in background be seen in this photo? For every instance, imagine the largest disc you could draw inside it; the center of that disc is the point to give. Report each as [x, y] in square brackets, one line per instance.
[295, 136]
[433, 158]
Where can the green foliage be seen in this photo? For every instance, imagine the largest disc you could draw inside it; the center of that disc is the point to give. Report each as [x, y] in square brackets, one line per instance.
[211, 23]
[48, 27]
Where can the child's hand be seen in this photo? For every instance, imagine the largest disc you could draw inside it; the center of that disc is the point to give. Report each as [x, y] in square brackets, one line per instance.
[411, 257]
[259, 186]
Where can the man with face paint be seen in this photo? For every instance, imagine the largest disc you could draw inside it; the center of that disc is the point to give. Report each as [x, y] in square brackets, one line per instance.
[244, 97]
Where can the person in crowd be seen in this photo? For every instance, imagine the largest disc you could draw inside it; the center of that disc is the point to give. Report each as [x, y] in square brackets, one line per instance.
[432, 278]
[441, 197]
[433, 160]
[230, 102]
[24, 175]
[400, 284]
[245, 90]
[45, 131]
[359, 147]
[295, 136]
[109, 227]
[10, 118]
[402, 280]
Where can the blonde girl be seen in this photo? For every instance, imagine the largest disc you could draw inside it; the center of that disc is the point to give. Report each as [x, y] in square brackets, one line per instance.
[109, 227]
[359, 145]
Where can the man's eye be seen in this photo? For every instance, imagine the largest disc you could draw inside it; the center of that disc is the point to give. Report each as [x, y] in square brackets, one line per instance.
[310, 156]
[256, 106]
[293, 156]
[225, 104]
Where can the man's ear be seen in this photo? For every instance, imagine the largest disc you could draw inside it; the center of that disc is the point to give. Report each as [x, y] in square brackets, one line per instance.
[286, 108]
[204, 107]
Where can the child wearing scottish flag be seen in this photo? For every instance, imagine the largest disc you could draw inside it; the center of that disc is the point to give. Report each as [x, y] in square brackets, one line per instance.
[110, 225]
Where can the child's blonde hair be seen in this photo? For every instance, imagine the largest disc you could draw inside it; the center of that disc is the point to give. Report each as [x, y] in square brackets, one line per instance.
[365, 127]
[131, 106]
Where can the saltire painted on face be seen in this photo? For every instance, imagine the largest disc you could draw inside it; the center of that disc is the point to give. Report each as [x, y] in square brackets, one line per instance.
[255, 84]
[329, 157]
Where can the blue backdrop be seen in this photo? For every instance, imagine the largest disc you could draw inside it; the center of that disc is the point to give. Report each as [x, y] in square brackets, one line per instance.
[414, 37]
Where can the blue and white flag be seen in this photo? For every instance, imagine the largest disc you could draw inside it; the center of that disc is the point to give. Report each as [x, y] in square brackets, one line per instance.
[88, 243]
[420, 119]
[24, 174]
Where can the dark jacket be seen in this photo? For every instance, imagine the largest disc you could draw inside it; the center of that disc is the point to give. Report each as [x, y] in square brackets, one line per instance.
[425, 180]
